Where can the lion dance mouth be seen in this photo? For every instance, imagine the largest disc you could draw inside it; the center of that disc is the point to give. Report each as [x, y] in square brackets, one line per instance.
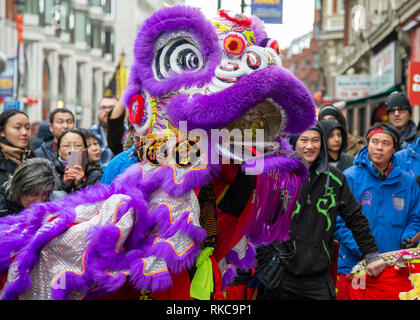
[175, 209]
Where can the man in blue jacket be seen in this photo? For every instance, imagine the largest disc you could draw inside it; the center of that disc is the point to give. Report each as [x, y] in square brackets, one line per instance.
[409, 158]
[389, 196]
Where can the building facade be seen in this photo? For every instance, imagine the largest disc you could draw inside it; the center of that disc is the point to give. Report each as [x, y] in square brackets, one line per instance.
[71, 50]
[380, 39]
[302, 57]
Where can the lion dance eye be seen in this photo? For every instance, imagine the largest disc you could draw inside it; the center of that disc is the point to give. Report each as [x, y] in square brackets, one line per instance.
[178, 55]
[234, 44]
[253, 60]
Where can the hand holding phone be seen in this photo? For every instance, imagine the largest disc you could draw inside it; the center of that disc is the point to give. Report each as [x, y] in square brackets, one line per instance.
[74, 158]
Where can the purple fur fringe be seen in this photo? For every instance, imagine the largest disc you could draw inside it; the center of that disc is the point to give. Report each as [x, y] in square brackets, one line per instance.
[220, 109]
[272, 212]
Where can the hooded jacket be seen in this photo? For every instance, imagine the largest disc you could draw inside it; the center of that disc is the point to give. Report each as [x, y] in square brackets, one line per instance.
[408, 135]
[409, 158]
[344, 160]
[392, 206]
[354, 143]
[45, 150]
[326, 193]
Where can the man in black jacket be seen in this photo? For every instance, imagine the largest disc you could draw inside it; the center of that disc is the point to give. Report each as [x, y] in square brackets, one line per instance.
[304, 259]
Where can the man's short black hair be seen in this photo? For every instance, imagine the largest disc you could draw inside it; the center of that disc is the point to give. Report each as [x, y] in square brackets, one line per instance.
[58, 110]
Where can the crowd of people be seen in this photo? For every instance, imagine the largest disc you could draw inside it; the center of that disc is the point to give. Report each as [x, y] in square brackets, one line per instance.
[362, 194]
[40, 170]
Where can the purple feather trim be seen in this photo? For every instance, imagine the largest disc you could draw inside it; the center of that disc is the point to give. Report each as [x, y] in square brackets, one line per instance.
[182, 224]
[272, 212]
[228, 276]
[157, 282]
[257, 26]
[163, 177]
[247, 262]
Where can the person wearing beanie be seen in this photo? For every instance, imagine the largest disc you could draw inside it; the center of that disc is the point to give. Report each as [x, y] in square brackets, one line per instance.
[303, 271]
[398, 109]
[389, 197]
[354, 143]
[337, 144]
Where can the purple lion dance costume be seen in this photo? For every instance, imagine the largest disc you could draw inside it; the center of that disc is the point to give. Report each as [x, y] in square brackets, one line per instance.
[169, 213]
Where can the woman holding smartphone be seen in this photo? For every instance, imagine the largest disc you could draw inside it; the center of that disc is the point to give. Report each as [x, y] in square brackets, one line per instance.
[71, 162]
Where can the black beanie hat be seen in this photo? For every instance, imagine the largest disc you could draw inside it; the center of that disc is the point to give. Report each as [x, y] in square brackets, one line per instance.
[397, 100]
[333, 111]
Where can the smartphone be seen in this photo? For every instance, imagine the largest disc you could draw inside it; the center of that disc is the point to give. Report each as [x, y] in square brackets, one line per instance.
[76, 158]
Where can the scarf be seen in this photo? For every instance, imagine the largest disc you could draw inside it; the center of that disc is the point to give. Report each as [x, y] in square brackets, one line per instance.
[15, 154]
[382, 174]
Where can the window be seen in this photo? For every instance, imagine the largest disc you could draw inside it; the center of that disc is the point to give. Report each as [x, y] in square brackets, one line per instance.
[61, 84]
[79, 108]
[316, 60]
[80, 27]
[96, 35]
[48, 11]
[350, 121]
[32, 7]
[46, 93]
[362, 121]
[307, 62]
[25, 77]
[96, 3]
[109, 42]
[108, 6]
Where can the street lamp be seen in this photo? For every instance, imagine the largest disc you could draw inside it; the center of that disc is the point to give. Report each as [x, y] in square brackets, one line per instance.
[20, 6]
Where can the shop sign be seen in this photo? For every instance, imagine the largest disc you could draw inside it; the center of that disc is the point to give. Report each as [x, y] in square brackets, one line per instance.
[351, 87]
[7, 79]
[414, 82]
[382, 67]
[269, 11]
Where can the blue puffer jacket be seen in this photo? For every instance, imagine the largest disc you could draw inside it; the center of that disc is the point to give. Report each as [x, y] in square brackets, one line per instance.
[409, 158]
[117, 165]
[392, 207]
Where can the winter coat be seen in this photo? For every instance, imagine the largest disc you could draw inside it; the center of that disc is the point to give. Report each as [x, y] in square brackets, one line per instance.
[117, 133]
[7, 206]
[408, 135]
[392, 207]
[117, 165]
[106, 153]
[409, 158]
[8, 167]
[45, 150]
[92, 176]
[344, 160]
[326, 193]
[354, 144]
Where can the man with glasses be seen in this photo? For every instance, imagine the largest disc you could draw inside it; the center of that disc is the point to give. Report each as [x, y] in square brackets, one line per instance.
[100, 129]
[398, 109]
[389, 198]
